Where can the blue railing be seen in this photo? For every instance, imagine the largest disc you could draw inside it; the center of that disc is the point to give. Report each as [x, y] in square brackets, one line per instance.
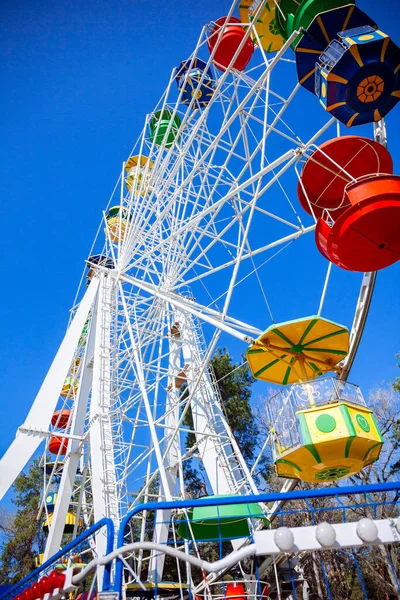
[267, 499]
[253, 498]
[32, 577]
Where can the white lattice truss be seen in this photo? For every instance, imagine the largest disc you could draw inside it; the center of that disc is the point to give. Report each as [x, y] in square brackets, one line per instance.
[206, 220]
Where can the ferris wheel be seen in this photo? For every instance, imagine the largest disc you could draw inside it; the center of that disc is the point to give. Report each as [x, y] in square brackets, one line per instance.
[231, 215]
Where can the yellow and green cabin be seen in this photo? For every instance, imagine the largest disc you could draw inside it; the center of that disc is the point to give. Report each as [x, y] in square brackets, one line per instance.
[324, 438]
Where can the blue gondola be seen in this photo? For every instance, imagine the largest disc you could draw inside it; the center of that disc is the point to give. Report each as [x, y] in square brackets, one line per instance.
[103, 260]
[98, 259]
[50, 500]
[357, 77]
[57, 469]
[319, 34]
[188, 76]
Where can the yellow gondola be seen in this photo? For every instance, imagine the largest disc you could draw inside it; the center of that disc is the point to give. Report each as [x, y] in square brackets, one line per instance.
[118, 218]
[75, 561]
[138, 174]
[160, 589]
[70, 521]
[266, 27]
[322, 431]
[70, 386]
[298, 350]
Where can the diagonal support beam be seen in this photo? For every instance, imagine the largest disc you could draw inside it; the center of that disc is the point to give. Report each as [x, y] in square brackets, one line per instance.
[65, 489]
[24, 446]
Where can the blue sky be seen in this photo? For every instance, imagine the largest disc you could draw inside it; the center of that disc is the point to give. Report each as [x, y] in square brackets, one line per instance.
[78, 79]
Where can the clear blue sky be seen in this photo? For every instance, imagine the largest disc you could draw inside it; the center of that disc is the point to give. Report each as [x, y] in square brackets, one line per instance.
[78, 78]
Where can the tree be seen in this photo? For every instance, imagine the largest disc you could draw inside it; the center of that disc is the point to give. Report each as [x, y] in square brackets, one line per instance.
[21, 533]
[385, 402]
[6, 524]
[234, 383]
[396, 382]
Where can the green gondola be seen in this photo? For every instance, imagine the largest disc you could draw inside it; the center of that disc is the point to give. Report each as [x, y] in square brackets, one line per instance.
[226, 521]
[164, 128]
[292, 15]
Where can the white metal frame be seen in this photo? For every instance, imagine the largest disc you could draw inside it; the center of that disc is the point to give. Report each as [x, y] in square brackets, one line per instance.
[192, 222]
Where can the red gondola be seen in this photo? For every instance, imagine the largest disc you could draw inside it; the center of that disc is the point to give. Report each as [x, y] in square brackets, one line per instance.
[235, 591]
[334, 165]
[366, 236]
[228, 44]
[58, 445]
[61, 418]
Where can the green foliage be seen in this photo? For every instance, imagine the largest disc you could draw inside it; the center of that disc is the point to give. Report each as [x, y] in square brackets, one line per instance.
[195, 484]
[234, 382]
[17, 552]
[395, 429]
[396, 382]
